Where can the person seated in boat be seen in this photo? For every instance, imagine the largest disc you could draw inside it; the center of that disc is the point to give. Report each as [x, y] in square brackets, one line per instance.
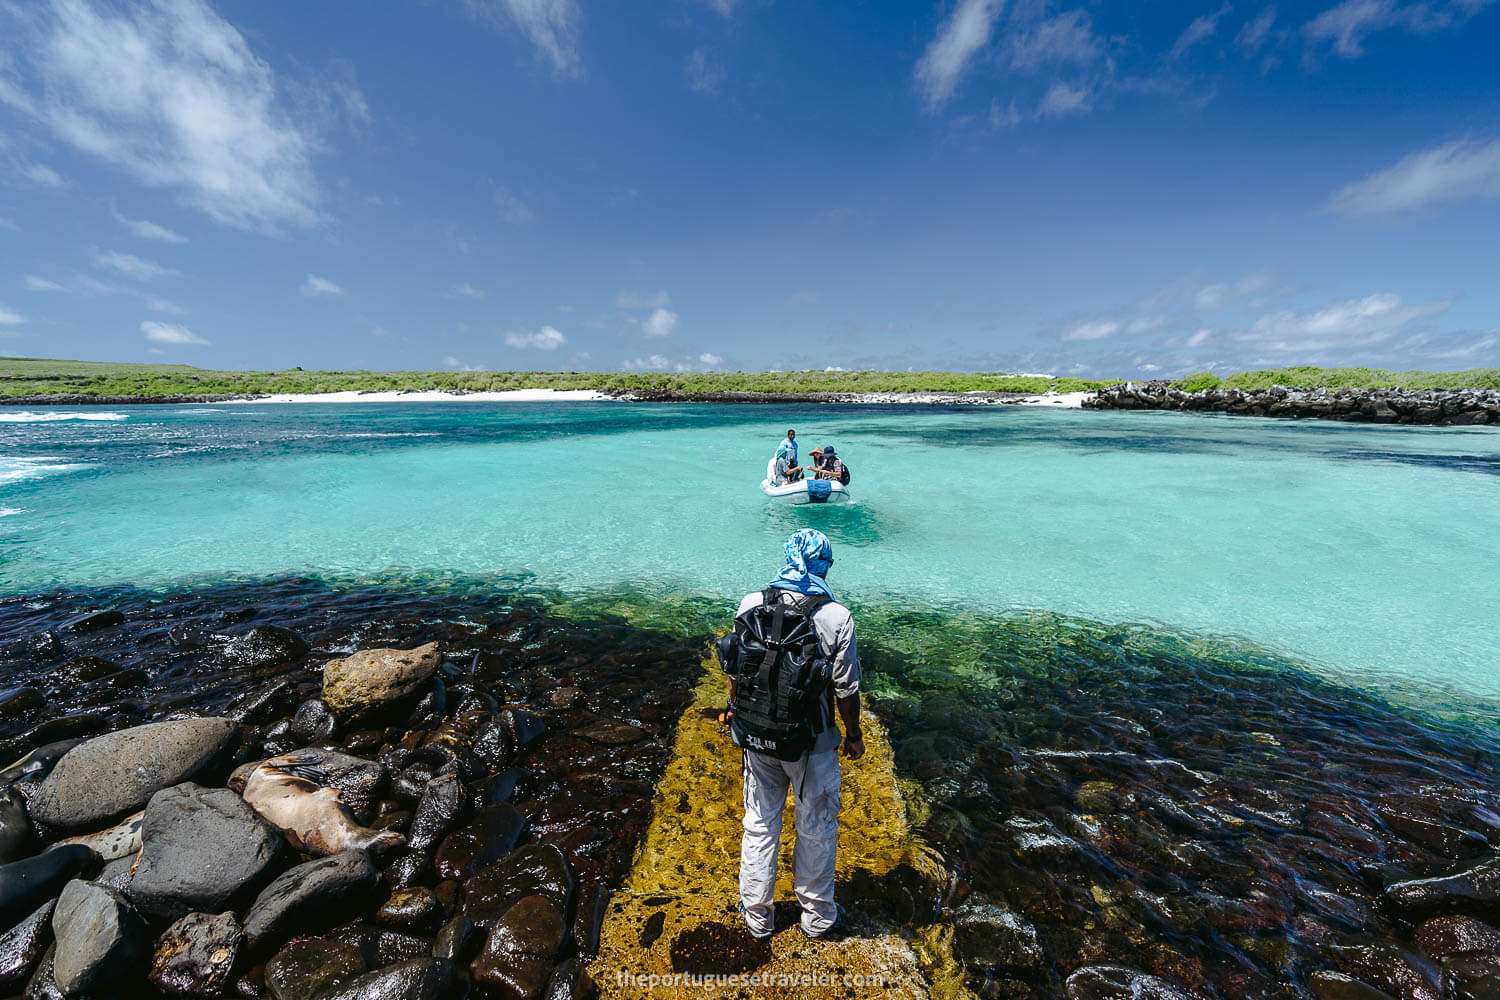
[826, 462]
[785, 471]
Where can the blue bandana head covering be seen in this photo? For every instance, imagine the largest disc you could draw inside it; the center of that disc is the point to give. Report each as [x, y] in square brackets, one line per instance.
[787, 449]
[809, 553]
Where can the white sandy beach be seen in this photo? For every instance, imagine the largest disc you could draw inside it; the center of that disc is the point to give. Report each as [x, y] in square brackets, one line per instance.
[1066, 400]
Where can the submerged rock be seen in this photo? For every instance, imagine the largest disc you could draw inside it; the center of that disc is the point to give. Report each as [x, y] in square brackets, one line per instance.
[1115, 982]
[361, 685]
[196, 955]
[22, 946]
[1392, 968]
[305, 970]
[1327, 985]
[100, 937]
[117, 773]
[265, 645]
[522, 945]
[992, 936]
[419, 979]
[203, 849]
[1473, 889]
[27, 884]
[311, 897]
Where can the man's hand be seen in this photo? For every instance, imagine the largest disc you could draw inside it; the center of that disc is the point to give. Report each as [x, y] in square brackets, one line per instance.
[854, 746]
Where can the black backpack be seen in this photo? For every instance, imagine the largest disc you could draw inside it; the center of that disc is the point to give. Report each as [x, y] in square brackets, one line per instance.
[782, 676]
[844, 474]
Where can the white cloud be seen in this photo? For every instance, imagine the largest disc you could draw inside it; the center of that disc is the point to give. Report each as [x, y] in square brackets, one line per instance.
[710, 359]
[38, 173]
[156, 304]
[132, 266]
[9, 224]
[1064, 99]
[1093, 330]
[1199, 338]
[1450, 172]
[660, 323]
[512, 208]
[806, 297]
[35, 284]
[966, 31]
[452, 362]
[643, 300]
[1149, 368]
[170, 93]
[149, 230]
[655, 362]
[546, 339]
[9, 317]
[315, 285]
[705, 73]
[1200, 29]
[1346, 26]
[1221, 294]
[1342, 324]
[724, 7]
[1254, 34]
[550, 25]
[468, 291]
[1145, 324]
[169, 333]
[1067, 38]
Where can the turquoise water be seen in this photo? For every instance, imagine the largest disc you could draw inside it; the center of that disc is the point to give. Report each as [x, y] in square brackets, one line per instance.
[1371, 552]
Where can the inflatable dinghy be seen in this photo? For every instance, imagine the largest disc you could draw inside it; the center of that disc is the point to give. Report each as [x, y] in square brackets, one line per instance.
[804, 490]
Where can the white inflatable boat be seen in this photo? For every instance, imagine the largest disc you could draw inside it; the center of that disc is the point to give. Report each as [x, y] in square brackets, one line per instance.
[804, 490]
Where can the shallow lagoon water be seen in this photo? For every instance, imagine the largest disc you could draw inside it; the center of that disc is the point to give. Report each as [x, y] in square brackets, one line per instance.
[1366, 551]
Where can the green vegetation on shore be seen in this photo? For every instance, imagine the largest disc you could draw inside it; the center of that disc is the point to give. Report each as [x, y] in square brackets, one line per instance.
[1308, 377]
[38, 377]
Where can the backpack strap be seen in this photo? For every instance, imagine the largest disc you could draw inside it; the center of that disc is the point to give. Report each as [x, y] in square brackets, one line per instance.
[773, 641]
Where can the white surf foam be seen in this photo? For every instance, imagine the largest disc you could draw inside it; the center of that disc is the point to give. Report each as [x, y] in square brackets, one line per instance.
[14, 469]
[47, 417]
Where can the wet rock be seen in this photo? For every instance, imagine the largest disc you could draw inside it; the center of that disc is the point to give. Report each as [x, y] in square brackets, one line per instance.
[117, 874]
[45, 645]
[1114, 982]
[493, 746]
[313, 722]
[264, 646]
[1444, 936]
[22, 946]
[406, 871]
[441, 802]
[518, 954]
[17, 701]
[1392, 968]
[96, 621]
[536, 869]
[991, 936]
[264, 703]
[588, 920]
[82, 670]
[458, 940]
[525, 727]
[27, 884]
[1473, 889]
[100, 937]
[196, 955]
[565, 696]
[420, 979]
[381, 946]
[498, 788]
[117, 773]
[415, 910]
[305, 970]
[15, 826]
[1328, 985]
[362, 685]
[311, 897]
[485, 839]
[202, 849]
[569, 982]
[1447, 839]
[610, 732]
[43, 984]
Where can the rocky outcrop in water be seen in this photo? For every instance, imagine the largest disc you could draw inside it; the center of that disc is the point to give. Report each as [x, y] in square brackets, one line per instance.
[1378, 406]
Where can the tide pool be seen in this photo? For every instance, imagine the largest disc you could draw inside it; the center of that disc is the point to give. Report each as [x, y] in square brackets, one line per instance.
[1369, 552]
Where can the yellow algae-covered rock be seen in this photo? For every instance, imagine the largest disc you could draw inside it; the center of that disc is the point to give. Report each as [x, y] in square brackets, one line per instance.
[674, 929]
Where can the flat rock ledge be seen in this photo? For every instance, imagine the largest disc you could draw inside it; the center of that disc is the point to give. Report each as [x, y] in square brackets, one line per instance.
[1458, 407]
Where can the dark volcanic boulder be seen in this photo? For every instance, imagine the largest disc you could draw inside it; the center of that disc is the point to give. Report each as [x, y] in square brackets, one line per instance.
[1444, 936]
[420, 979]
[311, 897]
[23, 945]
[18, 701]
[27, 884]
[537, 869]
[990, 936]
[1391, 968]
[100, 937]
[1327, 985]
[313, 722]
[265, 645]
[196, 955]
[305, 970]
[415, 909]
[362, 685]
[1114, 982]
[442, 801]
[519, 953]
[457, 940]
[96, 621]
[1473, 889]
[117, 773]
[202, 849]
[481, 842]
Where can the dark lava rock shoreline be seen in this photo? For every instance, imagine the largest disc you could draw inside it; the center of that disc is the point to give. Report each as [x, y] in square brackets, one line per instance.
[1458, 407]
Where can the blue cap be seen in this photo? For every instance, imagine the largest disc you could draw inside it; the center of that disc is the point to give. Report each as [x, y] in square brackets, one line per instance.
[828, 450]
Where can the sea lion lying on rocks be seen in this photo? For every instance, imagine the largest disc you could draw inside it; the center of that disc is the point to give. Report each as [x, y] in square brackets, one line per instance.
[295, 793]
[119, 841]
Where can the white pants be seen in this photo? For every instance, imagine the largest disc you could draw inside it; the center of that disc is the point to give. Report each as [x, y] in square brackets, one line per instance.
[815, 784]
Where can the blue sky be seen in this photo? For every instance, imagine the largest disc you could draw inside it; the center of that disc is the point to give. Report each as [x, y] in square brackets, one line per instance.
[1116, 189]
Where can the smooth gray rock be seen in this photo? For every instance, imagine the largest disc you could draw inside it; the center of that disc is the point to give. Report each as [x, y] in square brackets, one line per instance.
[23, 945]
[203, 850]
[100, 937]
[420, 979]
[311, 897]
[196, 955]
[118, 773]
[27, 884]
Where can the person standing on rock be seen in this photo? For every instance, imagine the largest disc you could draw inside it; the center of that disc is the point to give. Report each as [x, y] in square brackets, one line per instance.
[792, 662]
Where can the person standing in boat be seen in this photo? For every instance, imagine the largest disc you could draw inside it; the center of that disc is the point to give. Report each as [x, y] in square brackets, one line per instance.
[784, 467]
[789, 445]
[793, 665]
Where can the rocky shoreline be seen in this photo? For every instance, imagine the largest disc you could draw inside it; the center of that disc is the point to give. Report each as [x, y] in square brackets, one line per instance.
[624, 395]
[1457, 407]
